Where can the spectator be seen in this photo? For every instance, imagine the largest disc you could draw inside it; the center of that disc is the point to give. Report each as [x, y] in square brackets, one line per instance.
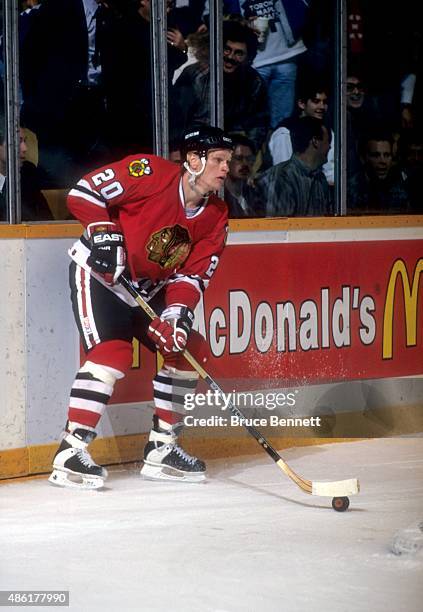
[27, 10]
[276, 59]
[197, 51]
[187, 15]
[411, 163]
[26, 15]
[312, 101]
[61, 77]
[298, 187]
[127, 77]
[28, 5]
[319, 36]
[229, 7]
[240, 194]
[175, 153]
[379, 187]
[34, 206]
[389, 50]
[245, 97]
[360, 118]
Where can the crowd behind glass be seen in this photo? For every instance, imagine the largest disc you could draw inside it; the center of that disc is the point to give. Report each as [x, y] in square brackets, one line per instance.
[85, 100]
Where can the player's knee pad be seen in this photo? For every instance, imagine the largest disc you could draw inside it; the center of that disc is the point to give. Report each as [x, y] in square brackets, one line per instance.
[103, 373]
[91, 391]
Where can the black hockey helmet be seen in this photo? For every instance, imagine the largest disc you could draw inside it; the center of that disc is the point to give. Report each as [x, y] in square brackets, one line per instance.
[204, 138]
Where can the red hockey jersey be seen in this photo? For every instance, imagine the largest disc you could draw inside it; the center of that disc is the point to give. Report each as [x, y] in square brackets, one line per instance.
[143, 195]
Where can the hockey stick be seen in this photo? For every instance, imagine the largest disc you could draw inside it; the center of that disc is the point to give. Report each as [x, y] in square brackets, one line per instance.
[337, 489]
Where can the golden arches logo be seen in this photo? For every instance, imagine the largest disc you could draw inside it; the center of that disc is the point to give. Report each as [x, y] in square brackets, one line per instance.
[411, 293]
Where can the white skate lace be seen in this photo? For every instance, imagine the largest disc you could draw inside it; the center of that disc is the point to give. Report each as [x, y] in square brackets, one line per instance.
[85, 458]
[188, 458]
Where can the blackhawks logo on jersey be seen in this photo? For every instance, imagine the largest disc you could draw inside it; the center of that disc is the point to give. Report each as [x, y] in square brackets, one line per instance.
[169, 247]
[140, 167]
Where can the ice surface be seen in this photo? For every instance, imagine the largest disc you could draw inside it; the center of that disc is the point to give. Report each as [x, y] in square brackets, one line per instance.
[409, 540]
[247, 540]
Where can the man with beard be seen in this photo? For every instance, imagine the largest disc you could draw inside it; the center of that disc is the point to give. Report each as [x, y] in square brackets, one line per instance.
[245, 96]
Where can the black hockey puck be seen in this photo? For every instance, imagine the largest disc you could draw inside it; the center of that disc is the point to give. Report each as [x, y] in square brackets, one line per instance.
[340, 504]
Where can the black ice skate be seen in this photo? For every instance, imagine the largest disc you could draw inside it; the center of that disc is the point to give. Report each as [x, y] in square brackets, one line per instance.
[73, 464]
[165, 460]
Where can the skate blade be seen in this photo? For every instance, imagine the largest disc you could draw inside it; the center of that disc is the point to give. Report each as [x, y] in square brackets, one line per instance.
[64, 479]
[154, 472]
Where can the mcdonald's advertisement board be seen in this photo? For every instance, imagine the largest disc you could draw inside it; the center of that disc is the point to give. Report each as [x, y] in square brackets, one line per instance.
[312, 312]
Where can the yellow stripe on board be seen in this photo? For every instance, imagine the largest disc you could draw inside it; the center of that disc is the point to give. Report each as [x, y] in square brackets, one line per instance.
[324, 223]
[14, 462]
[212, 443]
[36, 460]
[73, 229]
[41, 230]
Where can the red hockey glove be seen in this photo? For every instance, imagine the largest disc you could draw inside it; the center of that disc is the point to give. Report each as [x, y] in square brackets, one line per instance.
[170, 333]
[108, 255]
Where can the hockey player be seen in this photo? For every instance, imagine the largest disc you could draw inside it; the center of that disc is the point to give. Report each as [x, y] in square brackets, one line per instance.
[165, 228]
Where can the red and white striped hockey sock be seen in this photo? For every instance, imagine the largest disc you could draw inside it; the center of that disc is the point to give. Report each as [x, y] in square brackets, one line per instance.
[90, 393]
[170, 390]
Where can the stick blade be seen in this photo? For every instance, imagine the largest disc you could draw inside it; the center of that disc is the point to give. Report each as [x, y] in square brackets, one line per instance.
[338, 488]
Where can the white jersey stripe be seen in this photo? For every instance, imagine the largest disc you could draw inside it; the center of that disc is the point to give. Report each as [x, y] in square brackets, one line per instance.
[89, 308]
[85, 184]
[85, 196]
[192, 281]
[85, 311]
[85, 323]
